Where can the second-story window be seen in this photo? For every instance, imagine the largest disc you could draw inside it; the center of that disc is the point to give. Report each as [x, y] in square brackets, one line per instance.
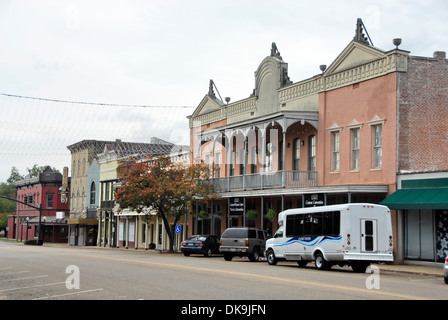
[296, 155]
[377, 144]
[355, 141]
[217, 165]
[312, 153]
[335, 151]
[92, 192]
[253, 160]
[50, 199]
[232, 163]
[107, 193]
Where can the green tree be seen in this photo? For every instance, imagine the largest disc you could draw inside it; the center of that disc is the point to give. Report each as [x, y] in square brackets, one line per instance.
[160, 185]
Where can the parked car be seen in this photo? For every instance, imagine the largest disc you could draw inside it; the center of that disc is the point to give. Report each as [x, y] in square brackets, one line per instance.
[445, 270]
[249, 242]
[200, 244]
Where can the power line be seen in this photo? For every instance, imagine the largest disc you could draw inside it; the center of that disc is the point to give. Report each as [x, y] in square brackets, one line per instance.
[95, 103]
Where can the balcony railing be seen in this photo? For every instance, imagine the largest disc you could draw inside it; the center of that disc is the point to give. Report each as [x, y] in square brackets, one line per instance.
[268, 180]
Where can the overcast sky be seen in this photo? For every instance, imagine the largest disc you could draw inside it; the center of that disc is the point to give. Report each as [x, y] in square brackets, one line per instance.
[162, 54]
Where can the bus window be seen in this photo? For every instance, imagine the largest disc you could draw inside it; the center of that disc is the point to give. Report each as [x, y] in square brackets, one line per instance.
[279, 233]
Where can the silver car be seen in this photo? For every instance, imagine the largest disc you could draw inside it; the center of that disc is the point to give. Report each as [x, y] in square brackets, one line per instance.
[445, 270]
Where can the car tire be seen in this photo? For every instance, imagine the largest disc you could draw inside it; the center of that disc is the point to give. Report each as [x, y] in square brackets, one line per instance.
[186, 254]
[254, 256]
[208, 253]
[270, 257]
[446, 280]
[228, 257]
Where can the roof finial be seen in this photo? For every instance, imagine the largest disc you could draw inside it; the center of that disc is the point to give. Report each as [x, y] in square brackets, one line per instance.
[275, 52]
[359, 35]
[211, 92]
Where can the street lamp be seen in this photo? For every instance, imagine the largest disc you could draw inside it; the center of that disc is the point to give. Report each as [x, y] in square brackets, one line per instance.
[27, 220]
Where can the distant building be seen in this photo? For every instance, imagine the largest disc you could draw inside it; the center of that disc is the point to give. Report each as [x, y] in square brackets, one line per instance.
[43, 191]
[93, 220]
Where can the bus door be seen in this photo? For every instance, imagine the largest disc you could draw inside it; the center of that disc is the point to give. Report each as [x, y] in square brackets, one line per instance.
[368, 235]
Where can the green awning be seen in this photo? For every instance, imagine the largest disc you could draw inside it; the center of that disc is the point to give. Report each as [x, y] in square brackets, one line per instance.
[421, 198]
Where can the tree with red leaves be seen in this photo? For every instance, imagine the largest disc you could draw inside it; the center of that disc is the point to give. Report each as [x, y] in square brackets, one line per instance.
[160, 185]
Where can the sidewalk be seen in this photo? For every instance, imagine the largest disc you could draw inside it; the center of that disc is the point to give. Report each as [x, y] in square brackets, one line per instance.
[414, 267]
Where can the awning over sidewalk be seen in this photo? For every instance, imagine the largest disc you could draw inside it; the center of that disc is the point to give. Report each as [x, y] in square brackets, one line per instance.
[83, 221]
[419, 198]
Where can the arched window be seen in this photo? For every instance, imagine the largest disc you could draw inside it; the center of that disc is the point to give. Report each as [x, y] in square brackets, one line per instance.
[92, 193]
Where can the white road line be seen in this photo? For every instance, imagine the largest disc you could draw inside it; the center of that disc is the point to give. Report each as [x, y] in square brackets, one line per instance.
[68, 294]
[26, 278]
[29, 287]
[14, 272]
[6, 268]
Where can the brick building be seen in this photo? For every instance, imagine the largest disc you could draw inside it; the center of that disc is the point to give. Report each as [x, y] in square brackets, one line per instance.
[42, 191]
[422, 165]
[345, 135]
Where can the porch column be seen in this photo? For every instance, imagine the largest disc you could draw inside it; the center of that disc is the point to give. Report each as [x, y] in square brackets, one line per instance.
[244, 162]
[262, 213]
[263, 157]
[284, 159]
[147, 235]
[137, 228]
[126, 232]
[100, 222]
[109, 237]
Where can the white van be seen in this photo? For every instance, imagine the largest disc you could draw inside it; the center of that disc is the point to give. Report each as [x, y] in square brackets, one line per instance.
[356, 234]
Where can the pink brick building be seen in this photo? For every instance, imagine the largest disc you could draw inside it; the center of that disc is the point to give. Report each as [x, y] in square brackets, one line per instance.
[344, 135]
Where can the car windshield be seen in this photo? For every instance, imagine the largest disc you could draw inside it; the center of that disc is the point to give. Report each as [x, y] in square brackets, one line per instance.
[197, 238]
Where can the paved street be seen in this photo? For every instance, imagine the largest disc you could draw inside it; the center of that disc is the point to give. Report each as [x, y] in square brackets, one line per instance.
[90, 273]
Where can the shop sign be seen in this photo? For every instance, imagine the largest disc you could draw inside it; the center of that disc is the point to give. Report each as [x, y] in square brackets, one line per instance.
[314, 200]
[236, 206]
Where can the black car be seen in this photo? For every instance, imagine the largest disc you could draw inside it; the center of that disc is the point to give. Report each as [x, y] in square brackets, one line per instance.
[202, 244]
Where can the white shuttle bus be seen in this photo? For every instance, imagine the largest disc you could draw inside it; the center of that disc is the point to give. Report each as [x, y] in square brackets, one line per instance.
[354, 234]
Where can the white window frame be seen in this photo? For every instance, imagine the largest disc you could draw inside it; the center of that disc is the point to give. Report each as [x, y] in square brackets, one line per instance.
[375, 123]
[335, 154]
[355, 145]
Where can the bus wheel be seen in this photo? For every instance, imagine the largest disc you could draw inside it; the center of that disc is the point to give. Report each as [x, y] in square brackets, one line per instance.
[321, 263]
[272, 260]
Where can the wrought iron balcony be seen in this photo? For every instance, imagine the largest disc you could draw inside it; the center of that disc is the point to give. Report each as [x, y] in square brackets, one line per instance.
[267, 180]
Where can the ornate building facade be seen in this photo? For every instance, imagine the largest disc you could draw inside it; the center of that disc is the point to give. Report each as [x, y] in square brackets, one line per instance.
[333, 138]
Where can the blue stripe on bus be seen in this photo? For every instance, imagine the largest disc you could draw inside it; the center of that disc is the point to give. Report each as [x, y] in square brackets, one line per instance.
[310, 241]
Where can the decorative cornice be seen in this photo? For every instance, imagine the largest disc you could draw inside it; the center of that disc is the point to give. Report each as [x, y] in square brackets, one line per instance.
[393, 61]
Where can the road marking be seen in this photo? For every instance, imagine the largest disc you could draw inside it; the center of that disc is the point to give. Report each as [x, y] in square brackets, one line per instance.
[30, 287]
[69, 294]
[14, 272]
[26, 278]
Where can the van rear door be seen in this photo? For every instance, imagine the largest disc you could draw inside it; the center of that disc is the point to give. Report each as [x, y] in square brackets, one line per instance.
[369, 235]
